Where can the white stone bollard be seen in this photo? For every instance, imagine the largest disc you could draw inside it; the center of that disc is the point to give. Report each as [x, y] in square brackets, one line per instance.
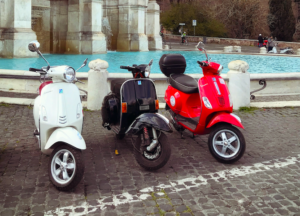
[237, 49]
[97, 84]
[298, 51]
[263, 50]
[166, 47]
[228, 49]
[239, 83]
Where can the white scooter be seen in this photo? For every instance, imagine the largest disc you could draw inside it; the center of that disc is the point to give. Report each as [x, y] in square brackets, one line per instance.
[58, 118]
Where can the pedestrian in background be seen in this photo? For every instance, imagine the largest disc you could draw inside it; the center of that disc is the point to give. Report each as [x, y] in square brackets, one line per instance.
[271, 43]
[260, 41]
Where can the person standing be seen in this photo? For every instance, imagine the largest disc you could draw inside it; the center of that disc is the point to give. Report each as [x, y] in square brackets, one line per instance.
[260, 41]
[270, 43]
[183, 37]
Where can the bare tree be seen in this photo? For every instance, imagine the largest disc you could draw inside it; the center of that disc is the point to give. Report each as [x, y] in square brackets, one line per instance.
[241, 17]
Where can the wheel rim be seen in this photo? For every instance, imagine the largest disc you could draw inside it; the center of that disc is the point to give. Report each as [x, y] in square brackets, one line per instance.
[63, 167]
[153, 155]
[226, 143]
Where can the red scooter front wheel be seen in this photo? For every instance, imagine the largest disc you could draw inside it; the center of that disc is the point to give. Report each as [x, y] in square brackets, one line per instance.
[226, 143]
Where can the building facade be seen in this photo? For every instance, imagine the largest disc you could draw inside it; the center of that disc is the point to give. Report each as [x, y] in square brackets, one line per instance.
[76, 26]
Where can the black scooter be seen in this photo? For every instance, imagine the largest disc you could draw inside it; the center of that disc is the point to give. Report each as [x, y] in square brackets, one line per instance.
[132, 108]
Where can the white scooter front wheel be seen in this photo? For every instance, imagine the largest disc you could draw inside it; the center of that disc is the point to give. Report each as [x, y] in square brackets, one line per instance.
[66, 167]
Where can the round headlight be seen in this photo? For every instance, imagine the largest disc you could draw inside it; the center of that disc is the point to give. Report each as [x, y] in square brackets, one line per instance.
[69, 75]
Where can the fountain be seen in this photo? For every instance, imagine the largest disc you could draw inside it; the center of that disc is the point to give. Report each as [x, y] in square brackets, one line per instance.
[77, 27]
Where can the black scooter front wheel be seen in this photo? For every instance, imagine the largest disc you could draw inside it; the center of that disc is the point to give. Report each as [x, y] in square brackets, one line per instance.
[226, 143]
[155, 159]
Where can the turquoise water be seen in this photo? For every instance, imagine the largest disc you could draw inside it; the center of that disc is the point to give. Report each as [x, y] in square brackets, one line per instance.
[258, 64]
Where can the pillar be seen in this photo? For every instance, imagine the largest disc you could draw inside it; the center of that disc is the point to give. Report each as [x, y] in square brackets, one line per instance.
[93, 40]
[15, 25]
[239, 83]
[132, 35]
[97, 84]
[58, 26]
[153, 26]
[84, 27]
[73, 40]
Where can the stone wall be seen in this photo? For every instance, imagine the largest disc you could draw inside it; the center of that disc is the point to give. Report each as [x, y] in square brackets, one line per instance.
[229, 41]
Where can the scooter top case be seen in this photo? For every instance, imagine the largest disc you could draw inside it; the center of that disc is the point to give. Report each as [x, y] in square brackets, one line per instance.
[137, 95]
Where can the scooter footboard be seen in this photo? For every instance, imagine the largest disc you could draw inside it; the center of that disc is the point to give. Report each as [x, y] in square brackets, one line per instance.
[66, 135]
[155, 120]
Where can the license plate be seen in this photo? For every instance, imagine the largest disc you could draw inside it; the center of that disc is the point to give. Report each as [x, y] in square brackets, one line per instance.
[144, 107]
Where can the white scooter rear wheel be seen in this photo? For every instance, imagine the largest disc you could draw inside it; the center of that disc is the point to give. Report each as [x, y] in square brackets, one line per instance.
[66, 167]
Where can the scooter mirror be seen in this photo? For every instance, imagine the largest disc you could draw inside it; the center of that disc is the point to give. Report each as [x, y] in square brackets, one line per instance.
[150, 63]
[200, 46]
[84, 63]
[34, 46]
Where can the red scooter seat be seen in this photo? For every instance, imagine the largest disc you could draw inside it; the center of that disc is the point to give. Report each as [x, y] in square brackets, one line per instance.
[184, 83]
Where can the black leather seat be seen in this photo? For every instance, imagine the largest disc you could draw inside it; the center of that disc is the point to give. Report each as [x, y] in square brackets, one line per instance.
[184, 83]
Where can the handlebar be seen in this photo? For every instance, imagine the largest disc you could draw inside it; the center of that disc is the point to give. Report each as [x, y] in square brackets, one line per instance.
[124, 67]
[202, 63]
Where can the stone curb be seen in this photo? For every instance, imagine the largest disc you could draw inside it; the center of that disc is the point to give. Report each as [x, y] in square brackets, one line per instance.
[274, 104]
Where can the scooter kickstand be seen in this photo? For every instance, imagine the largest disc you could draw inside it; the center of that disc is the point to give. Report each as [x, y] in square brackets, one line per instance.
[182, 137]
[116, 149]
[193, 137]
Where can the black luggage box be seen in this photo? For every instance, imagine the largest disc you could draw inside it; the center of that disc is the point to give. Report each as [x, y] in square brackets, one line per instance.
[172, 64]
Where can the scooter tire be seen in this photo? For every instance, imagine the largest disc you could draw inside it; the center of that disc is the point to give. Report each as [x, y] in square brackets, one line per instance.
[240, 136]
[79, 168]
[160, 161]
[120, 136]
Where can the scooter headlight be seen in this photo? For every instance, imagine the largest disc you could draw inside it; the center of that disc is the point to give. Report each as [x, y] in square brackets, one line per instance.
[69, 74]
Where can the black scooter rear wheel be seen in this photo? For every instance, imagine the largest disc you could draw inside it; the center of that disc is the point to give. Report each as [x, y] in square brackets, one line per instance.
[163, 150]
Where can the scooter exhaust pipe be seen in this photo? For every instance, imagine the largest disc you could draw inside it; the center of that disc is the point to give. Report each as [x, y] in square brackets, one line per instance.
[154, 142]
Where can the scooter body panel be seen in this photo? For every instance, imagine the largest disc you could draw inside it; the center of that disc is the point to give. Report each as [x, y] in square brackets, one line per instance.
[191, 112]
[226, 118]
[155, 120]
[58, 106]
[68, 135]
[140, 96]
[36, 111]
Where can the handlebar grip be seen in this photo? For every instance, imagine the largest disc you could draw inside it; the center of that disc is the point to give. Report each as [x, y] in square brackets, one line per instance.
[35, 70]
[124, 67]
[202, 63]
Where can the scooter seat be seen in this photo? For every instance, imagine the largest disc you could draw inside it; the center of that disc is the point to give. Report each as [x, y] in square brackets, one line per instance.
[184, 83]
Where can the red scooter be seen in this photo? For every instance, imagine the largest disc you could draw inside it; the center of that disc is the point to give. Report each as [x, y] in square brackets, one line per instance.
[204, 107]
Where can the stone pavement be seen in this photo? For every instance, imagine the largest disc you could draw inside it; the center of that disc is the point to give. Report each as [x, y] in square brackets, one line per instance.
[266, 181]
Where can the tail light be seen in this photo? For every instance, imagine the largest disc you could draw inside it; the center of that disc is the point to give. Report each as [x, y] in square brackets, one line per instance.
[157, 104]
[124, 107]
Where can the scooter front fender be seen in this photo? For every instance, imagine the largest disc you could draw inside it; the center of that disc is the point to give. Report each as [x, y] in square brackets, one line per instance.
[66, 135]
[155, 120]
[226, 118]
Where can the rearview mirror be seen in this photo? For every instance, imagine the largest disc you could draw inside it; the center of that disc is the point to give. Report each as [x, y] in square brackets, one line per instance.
[34, 46]
[151, 62]
[84, 63]
[200, 46]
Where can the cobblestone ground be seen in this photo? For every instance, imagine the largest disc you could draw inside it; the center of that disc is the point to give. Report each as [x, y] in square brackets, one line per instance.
[266, 181]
